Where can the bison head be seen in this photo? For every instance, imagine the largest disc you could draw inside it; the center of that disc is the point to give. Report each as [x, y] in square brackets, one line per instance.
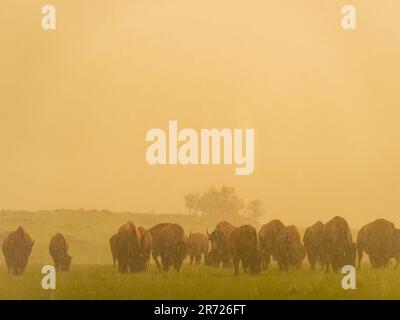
[217, 239]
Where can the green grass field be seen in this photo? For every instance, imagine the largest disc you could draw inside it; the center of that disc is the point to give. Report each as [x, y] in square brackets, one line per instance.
[197, 282]
[92, 275]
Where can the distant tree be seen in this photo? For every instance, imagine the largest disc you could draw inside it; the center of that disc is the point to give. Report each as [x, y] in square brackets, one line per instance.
[255, 209]
[220, 203]
[192, 202]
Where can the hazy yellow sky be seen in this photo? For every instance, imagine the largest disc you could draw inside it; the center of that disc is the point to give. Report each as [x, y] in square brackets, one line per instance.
[76, 103]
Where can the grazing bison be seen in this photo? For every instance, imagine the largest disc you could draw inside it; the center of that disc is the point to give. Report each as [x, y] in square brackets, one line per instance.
[244, 246]
[155, 232]
[289, 252]
[338, 245]
[128, 248]
[113, 246]
[146, 243]
[171, 244]
[267, 235]
[219, 242]
[377, 240]
[17, 247]
[313, 240]
[197, 246]
[58, 249]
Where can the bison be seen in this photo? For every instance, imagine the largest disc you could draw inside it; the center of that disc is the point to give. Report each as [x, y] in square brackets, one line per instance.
[146, 243]
[58, 249]
[197, 246]
[289, 251]
[171, 244]
[338, 245]
[114, 247]
[313, 240]
[219, 242]
[267, 235]
[128, 248]
[244, 246]
[377, 240]
[17, 247]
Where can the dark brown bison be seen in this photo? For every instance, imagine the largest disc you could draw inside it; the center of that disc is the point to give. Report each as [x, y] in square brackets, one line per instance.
[219, 242]
[128, 248]
[113, 247]
[58, 249]
[267, 235]
[155, 232]
[243, 245]
[289, 251]
[197, 246]
[17, 247]
[338, 245]
[171, 244]
[146, 244]
[211, 258]
[377, 240]
[313, 240]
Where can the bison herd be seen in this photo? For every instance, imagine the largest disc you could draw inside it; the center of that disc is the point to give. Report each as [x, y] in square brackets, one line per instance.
[329, 245]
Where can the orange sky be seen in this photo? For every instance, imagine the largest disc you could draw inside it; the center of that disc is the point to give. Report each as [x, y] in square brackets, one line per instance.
[76, 103]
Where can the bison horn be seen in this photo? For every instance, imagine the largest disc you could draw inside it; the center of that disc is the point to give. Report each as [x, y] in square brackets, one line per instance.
[209, 235]
[33, 242]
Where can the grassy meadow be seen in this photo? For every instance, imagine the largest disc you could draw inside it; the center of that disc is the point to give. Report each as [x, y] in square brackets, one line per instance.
[92, 275]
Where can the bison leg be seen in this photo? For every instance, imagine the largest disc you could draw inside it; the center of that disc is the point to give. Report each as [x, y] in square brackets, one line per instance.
[9, 268]
[335, 267]
[122, 265]
[322, 261]
[165, 261]
[146, 263]
[178, 265]
[267, 261]
[226, 263]
[327, 266]
[155, 257]
[197, 259]
[236, 266]
[312, 261]
[17, 270]
[122, 268]
[374, 262]
[114, 261]
[245, 264]
[191, 259]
